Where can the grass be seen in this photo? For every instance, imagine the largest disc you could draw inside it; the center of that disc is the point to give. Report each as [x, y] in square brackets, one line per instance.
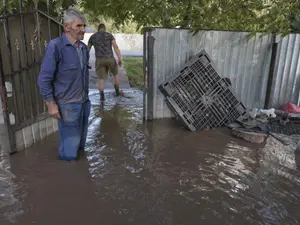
[134, 70]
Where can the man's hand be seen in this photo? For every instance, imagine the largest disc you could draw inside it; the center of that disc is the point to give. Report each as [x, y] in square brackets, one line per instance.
[120, 62]
[53, 110]
[89, 47]
[117, 51]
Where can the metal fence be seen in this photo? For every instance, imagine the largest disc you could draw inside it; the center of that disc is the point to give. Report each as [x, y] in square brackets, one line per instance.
[23, 37]
[263, 73]
[286, 80]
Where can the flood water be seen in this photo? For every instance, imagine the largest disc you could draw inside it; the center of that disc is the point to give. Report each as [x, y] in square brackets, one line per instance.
[150, 174]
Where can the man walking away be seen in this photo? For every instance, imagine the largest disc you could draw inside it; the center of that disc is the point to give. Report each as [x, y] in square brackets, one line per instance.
[63, 82]
[105, 61]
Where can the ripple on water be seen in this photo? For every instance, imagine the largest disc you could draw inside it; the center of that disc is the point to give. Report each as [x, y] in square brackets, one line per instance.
[232, 185]
[159, 173]
[10, 205]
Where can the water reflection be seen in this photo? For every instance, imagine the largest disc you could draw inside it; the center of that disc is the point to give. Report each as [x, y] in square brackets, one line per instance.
[160, 173]
[52, 191]
[10, 205]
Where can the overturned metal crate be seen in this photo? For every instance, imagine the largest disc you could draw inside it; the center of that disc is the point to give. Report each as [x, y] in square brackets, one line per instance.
[200, 97]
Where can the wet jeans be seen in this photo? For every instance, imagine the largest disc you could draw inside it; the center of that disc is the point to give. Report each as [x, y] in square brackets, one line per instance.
[73, 129]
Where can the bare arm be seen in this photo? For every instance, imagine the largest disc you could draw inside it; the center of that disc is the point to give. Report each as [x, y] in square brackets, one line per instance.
[117, 51]
[89, 46]
[90, 43]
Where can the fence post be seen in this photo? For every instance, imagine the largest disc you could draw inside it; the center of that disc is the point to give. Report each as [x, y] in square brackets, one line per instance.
[271, 72]
[59, 20]
[3, 95]
[145, 63]
[49, 23]
[150, 78]
[23, 37]
[15, 108]
[38, 26]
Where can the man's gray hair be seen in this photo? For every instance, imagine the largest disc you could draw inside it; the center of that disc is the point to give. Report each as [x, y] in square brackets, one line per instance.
[71, 14]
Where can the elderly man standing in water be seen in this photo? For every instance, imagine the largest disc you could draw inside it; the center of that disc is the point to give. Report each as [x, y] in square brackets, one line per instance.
[64, 84]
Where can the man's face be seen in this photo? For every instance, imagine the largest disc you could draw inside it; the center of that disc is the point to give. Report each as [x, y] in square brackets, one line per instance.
[76, 29]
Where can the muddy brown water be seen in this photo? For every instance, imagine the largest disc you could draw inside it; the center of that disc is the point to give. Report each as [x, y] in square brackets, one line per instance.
[150, 174]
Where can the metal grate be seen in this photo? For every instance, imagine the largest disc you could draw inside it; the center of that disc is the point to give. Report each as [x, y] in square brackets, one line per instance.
[200, 97]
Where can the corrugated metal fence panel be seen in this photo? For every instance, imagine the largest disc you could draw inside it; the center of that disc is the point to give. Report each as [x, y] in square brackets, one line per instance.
[245, 62]
[170, 55]
[286, 81]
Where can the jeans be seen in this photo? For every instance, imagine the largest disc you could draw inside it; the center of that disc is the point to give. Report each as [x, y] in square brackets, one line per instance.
[73, 127]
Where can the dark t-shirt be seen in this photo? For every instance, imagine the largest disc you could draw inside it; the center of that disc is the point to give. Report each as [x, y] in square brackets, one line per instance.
[102, 44]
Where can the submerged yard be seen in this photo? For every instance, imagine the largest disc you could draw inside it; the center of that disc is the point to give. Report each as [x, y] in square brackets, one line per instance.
[150, 173]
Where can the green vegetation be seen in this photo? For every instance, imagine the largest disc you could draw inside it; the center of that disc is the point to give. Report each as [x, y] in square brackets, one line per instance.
[129, 27]
[280, 16]
[134, 69]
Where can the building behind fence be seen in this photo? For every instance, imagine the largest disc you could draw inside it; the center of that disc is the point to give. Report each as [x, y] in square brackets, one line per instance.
[259, 77]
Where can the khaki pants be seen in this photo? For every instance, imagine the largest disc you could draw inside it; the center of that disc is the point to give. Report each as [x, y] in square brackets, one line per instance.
[105, 64]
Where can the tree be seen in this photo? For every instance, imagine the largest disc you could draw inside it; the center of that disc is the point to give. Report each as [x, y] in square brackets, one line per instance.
[55, 5]
[252, 15]
[279, 16]
[129, 27]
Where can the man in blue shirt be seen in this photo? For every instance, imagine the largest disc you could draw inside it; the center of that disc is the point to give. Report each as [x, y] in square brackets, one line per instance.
[64, 84]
